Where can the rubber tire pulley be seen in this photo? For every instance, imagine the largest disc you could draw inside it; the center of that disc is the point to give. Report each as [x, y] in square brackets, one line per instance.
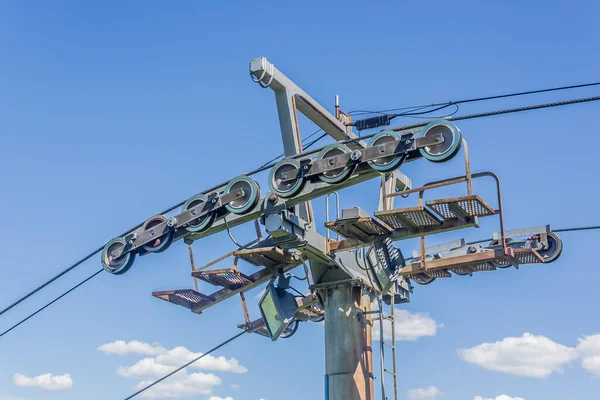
[204, 222]
[117, 266]
[161, 243]
[340, 174]
[554, 249]
[389, 163]
[288, 188]
[251, 194]
[449, 148]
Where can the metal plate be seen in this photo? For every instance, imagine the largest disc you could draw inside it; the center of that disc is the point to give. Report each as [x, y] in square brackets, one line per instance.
[358, 228]
[466, 206]
[270, 257]
[409, 218]
[229, 278]
[187, 298]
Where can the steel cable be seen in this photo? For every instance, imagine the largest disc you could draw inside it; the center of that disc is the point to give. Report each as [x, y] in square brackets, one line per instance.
[304, 154]
[231, 339]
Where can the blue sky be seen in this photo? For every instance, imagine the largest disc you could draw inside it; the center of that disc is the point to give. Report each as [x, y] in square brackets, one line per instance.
[91, 93]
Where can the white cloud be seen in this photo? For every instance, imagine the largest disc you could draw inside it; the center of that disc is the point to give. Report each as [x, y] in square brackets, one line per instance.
[589, 351]
[181, 385]
[529, 355]
[234, 386]
[408, 326]
[430, 392]
[180, 355]
[45, 381]
[219, 398]
[121, 347]
[146, 368]
[501, 397]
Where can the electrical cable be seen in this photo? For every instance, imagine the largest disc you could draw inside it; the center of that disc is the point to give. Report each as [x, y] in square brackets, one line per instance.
[297, 291]
[52, 302]
[231, 339]
[304, 154]
[477, 99]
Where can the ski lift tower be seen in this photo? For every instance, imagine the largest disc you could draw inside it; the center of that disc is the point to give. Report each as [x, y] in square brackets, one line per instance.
[343, 278]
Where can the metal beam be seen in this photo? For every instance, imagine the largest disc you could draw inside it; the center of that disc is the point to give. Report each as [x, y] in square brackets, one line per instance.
[290, 97]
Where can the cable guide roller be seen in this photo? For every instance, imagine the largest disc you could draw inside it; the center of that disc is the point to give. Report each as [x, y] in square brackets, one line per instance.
[387, 151]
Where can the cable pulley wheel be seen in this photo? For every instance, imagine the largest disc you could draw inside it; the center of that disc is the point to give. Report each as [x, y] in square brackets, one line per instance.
[120, 265]
[448, 148]
[554, 249]
[388, 163]
[422, 279]
[278, 173]
[162, 242]
[204, 222]
[337, 175]
[243, 204]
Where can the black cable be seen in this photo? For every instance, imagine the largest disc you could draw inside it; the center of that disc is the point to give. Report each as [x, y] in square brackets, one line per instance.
[581, 228]
[477, 99]
[98, 250]
[283, 154]
[575, 229]
[304, 154]
[52, 302]
[231, 339]
[297, 291]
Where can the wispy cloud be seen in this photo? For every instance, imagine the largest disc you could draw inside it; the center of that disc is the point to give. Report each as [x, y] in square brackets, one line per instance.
[428, 393]
[45, 381]
[121, 347]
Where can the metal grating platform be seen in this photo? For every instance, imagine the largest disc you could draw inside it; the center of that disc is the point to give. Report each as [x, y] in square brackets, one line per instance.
[409, 218]
[524, 256]
[461, 207]
[438, 273]
[229, 278]
[484, 267]
[187, 298]
[269, 257]
[360, 228]
[311, 312]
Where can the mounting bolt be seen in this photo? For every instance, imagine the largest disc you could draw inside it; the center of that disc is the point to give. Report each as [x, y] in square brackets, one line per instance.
[306, 167]
[151, 232]
[171, 222]
[331, 161]
[272, 198]
[213, 200]
[382, 149]
[284, 176]
[193, 212]
[407, 141]
[356, 155]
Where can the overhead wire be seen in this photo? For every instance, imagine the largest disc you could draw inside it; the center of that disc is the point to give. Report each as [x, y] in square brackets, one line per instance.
[265, 167]
[99, 249]
[478, 99]
[50, 303]
[217, 347]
